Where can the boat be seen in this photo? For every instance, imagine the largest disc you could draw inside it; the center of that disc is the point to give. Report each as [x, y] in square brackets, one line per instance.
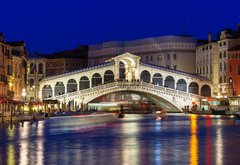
[93, 118]
[237, 115]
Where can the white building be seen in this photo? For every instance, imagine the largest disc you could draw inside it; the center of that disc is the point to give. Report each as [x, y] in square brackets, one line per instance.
[174, 52]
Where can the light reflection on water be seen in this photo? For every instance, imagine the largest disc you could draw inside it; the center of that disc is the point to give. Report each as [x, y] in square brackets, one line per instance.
[176, 140]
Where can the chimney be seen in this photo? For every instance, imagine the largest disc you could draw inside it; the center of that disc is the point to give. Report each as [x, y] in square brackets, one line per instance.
[209, 37]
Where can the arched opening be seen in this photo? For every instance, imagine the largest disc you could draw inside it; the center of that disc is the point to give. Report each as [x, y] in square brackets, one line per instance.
[182, 85]
[71, 86]
[96, 80]
[40, 68]
[145, 76]
[47, 91]
[59, 89]
[157, 79]
[122, 70]
[193, 88]
[84, 83]
[32, 68]
[108, 76]
[169, 82]
[31, 82]
[206, 91]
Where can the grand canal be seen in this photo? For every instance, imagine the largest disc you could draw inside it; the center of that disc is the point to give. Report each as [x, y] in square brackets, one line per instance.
[134, 140]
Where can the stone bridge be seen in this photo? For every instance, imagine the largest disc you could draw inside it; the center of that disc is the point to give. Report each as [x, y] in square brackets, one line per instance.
[126, 73]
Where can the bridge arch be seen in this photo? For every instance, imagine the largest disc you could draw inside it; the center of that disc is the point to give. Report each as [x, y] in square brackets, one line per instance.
[84, 83]
[59, 88]
[108, 76]
[170, 102]
[193, 88]
[71, 85]
[169, 82]
[157, 79]
[206, 91]
[145, 76]
[96, 79]
[47, 91]
[181, 85]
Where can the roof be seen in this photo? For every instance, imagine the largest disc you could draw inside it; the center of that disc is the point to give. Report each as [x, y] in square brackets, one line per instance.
[16, 43]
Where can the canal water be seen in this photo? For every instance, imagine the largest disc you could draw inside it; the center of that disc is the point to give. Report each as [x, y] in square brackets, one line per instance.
[134, 140]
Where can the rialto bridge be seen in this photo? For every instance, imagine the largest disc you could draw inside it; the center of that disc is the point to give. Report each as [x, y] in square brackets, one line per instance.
[125, 73]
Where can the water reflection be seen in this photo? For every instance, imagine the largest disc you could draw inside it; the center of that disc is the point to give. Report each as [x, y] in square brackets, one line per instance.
[23, 135]
[219, 145]
[193, 141]
[178, 140]
[130, 146]
[10, 147]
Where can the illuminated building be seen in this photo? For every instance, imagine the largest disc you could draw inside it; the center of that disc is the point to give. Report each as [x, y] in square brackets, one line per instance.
[234, 71]
[213, 63]
[13, 68]
[207, 62]
[173, 52]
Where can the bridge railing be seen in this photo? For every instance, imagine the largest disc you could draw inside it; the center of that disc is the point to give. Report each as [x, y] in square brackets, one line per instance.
[126, 83]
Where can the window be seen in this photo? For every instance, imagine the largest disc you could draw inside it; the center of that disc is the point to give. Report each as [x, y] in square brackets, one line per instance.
[174, 56]
[238, 69]
[175, 67]
[168, 57]
[147, 58]
[158, 58]
[224, 54]
[220, 79]
[220, 55]
[230, 69]
[151, 58]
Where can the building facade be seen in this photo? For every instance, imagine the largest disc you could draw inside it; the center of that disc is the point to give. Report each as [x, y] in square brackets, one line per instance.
[234, 72]
[212, 60]
[13, 68]
[36, 72]
[207, 62]
[173, 52]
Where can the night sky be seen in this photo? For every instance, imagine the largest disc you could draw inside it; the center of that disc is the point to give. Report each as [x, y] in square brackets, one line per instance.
[54, 25]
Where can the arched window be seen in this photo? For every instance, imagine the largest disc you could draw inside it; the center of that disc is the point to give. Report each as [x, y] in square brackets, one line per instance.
[32, 68]
[59, 88]
[157, 79]
[96, 80]
[40, 68]
[182, 85]
[84, 83]
[108, 76]
[71, 86]
[31, 82]
[169, 82]
[206, 91]
[193, 88]
[47, 91]
[145, 76]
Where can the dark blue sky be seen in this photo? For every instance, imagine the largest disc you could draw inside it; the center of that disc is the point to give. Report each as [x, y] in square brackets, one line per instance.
[54, 25]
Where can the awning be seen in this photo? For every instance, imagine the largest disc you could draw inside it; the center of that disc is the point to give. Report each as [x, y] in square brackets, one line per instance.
[51, 101]
[15, 101]
[3, 100]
